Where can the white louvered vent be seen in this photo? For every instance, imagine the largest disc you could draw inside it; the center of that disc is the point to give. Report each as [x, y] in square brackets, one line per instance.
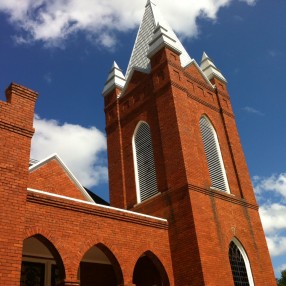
[145, 166]
[213, 154]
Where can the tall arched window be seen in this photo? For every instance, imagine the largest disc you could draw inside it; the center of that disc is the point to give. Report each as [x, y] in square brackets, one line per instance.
[145, 173]
[239, 263]
[213, 154]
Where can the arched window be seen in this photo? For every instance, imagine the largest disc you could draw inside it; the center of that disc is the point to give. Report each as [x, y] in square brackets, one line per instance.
[213, 154]
[239, 263]
[145, 173]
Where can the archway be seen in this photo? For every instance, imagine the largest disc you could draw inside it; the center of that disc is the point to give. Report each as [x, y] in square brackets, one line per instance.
[41, 263]
[100, 267]
[149, 271]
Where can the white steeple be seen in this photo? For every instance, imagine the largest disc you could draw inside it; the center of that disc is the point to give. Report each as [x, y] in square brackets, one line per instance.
[115, 79]
[154, 22]
[209, 68]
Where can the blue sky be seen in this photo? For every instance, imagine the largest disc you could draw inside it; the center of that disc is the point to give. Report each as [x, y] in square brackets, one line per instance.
[65, 49]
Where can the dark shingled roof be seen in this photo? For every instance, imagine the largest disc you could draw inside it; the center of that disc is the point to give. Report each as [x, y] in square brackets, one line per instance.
[97, 199]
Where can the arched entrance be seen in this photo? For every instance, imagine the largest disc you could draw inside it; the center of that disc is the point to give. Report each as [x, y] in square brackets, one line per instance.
[149, 271]
[100, 267]
[41, 263]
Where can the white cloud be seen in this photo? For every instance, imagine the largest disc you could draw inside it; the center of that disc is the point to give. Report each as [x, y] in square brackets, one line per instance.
[280, 268]
[249, 2]
[252, 110]
[52, 21]
[276, 245]
[271, 193]
[273, 217]
[275, 184]
[80, 148]
[48, 78]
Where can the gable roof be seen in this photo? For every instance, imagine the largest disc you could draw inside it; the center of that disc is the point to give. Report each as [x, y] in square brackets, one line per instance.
[152, 19]
[71, 176]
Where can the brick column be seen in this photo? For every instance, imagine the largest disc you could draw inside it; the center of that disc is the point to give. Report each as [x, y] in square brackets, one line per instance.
[16, 131]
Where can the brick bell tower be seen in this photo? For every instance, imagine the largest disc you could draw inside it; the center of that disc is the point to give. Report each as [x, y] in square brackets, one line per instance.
[174, 152]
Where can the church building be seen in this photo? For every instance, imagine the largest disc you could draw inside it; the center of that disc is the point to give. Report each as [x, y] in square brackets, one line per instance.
[182, 207]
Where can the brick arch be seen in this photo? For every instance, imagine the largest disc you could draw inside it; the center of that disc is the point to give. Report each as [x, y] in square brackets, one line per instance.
[158, 265]
[108, 251]
[50, 242]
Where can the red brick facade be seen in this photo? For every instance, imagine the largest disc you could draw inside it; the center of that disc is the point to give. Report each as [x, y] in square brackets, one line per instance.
[190, 245]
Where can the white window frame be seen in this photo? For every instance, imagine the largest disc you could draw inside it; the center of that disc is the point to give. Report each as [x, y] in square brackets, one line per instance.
[136, 171]
[219, 156]
[246, 260]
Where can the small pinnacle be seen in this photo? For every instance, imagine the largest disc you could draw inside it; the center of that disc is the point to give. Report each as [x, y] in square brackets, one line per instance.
[205, 56]
[115, 65]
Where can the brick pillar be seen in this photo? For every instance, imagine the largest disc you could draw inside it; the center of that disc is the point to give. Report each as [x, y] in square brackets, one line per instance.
[16, 131]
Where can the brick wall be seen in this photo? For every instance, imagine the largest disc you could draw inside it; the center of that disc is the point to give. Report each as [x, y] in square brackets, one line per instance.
[53, 178]
[73, 228]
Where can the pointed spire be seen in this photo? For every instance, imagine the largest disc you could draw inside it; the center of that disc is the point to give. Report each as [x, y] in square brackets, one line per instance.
[115, 79]
[152, 17]
[209, 68]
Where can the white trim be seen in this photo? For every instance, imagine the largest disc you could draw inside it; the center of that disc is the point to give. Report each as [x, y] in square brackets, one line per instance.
[246, 260]
[220, 159]
[60, 196]
[67, 170]
[141, 190]
[97, 205]
[135, 163]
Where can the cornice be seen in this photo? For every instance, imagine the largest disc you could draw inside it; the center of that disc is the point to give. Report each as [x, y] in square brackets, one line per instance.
[16, 129]
[96, 210]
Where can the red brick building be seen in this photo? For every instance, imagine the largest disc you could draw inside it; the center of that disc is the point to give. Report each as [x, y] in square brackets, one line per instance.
[183, 210]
